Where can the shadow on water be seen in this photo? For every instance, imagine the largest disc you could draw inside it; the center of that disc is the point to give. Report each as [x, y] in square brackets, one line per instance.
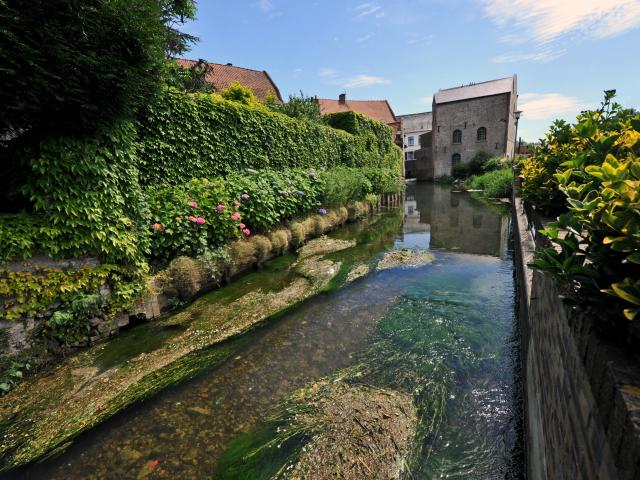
[468, 290]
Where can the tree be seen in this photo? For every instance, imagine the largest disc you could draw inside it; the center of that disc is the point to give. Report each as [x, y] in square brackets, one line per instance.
[173, 13]
[300, 107]
[77, 66]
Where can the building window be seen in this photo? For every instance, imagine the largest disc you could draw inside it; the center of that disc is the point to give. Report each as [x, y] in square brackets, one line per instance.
[482, 134]
[455, 159]
[457, 136]
[409, 156]
[410, 141]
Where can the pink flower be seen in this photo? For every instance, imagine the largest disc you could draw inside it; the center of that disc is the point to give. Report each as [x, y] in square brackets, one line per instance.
[192, 219]
[153, 463]
[200, 220]
[246, 232]
[235, 216]
[236, 203]
[242, 225]
[245, 196]
[193, 204]
[220, 208]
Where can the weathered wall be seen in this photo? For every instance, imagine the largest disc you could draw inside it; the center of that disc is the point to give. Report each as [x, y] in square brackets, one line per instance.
[492, 112]
[582, 392]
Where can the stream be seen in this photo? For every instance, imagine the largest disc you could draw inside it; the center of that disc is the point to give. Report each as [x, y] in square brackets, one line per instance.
[469, 288]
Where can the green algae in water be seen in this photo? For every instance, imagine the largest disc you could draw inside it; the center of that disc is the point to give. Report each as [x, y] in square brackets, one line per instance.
[431, 340]
[133, 342]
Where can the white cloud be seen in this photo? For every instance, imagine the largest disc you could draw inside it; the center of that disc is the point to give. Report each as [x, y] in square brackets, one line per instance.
[547, 20]
[542, 55]
[364, 38]
[543, 106]
[365, 81]
[328, 72]
[366, 9]
[265, 5]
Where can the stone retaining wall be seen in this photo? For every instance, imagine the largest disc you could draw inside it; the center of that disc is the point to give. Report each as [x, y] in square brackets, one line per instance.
[582, 392]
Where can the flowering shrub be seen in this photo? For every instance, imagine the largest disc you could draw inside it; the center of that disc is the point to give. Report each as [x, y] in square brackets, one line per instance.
[269, 197]
[191, 218]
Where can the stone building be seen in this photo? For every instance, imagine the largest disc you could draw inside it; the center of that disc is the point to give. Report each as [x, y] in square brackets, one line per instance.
[479, 117]
[413, 126]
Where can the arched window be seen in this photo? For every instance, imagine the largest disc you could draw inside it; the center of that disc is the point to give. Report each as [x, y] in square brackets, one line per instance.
[457, 136]
[455, 159]
[482, 134]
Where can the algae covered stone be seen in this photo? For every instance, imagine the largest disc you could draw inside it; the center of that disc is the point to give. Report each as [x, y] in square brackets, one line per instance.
[405, 258]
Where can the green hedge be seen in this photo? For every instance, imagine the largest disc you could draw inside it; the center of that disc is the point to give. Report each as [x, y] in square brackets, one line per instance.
[202, 135]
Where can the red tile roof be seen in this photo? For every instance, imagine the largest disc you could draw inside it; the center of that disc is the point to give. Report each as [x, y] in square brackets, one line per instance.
[376, 109]
[221, 76]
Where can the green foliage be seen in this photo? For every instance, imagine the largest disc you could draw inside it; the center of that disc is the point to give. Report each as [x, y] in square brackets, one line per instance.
[11, 374]
[192, 79]
[476, 166]
[73, 66]
[205, 136]
[589, 140]
[71, 324]
[172, 13]
[300, 107]
[236, 92]
[86, 199]
[341, 185]
[599, 236]
[274, 196]
[494, 184]
[26, 293]
[384, 180]
[184, 220]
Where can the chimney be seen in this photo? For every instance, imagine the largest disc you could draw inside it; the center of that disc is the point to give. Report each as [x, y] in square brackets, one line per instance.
[342, 98]
[229, 64]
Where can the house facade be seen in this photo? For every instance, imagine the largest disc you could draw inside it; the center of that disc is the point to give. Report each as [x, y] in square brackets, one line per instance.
[479, 117]
[413, 126]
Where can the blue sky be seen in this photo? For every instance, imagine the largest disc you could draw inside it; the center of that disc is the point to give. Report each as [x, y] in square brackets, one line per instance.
[565, 52]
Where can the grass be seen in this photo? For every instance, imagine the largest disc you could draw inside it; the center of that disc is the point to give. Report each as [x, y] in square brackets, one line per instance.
[495, 184]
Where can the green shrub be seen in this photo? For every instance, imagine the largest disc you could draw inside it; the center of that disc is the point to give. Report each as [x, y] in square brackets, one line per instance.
[600, 240]
[300, 107]
[271, 197]
[342, 185]
[496, 163]
[71, 324]
[189, 219]
[495, 184]
[197, 135]
[384, 180]
[236, 92]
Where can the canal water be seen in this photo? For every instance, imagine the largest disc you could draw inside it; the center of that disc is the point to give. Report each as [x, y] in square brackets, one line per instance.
[458, 311]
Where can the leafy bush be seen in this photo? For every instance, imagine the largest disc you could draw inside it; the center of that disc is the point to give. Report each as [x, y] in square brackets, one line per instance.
[342, 185]
[204, 136]
[384, 180]
[496, 163]
[71, 324]
[588, 140]
[599, 236]
[494, 184]
[236, 92]
[187, 220]
[300, 107]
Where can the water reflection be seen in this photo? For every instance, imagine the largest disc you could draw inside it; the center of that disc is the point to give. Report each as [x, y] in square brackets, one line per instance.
[436, 217]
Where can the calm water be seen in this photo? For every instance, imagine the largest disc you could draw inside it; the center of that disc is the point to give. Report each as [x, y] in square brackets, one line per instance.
[468, 291]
